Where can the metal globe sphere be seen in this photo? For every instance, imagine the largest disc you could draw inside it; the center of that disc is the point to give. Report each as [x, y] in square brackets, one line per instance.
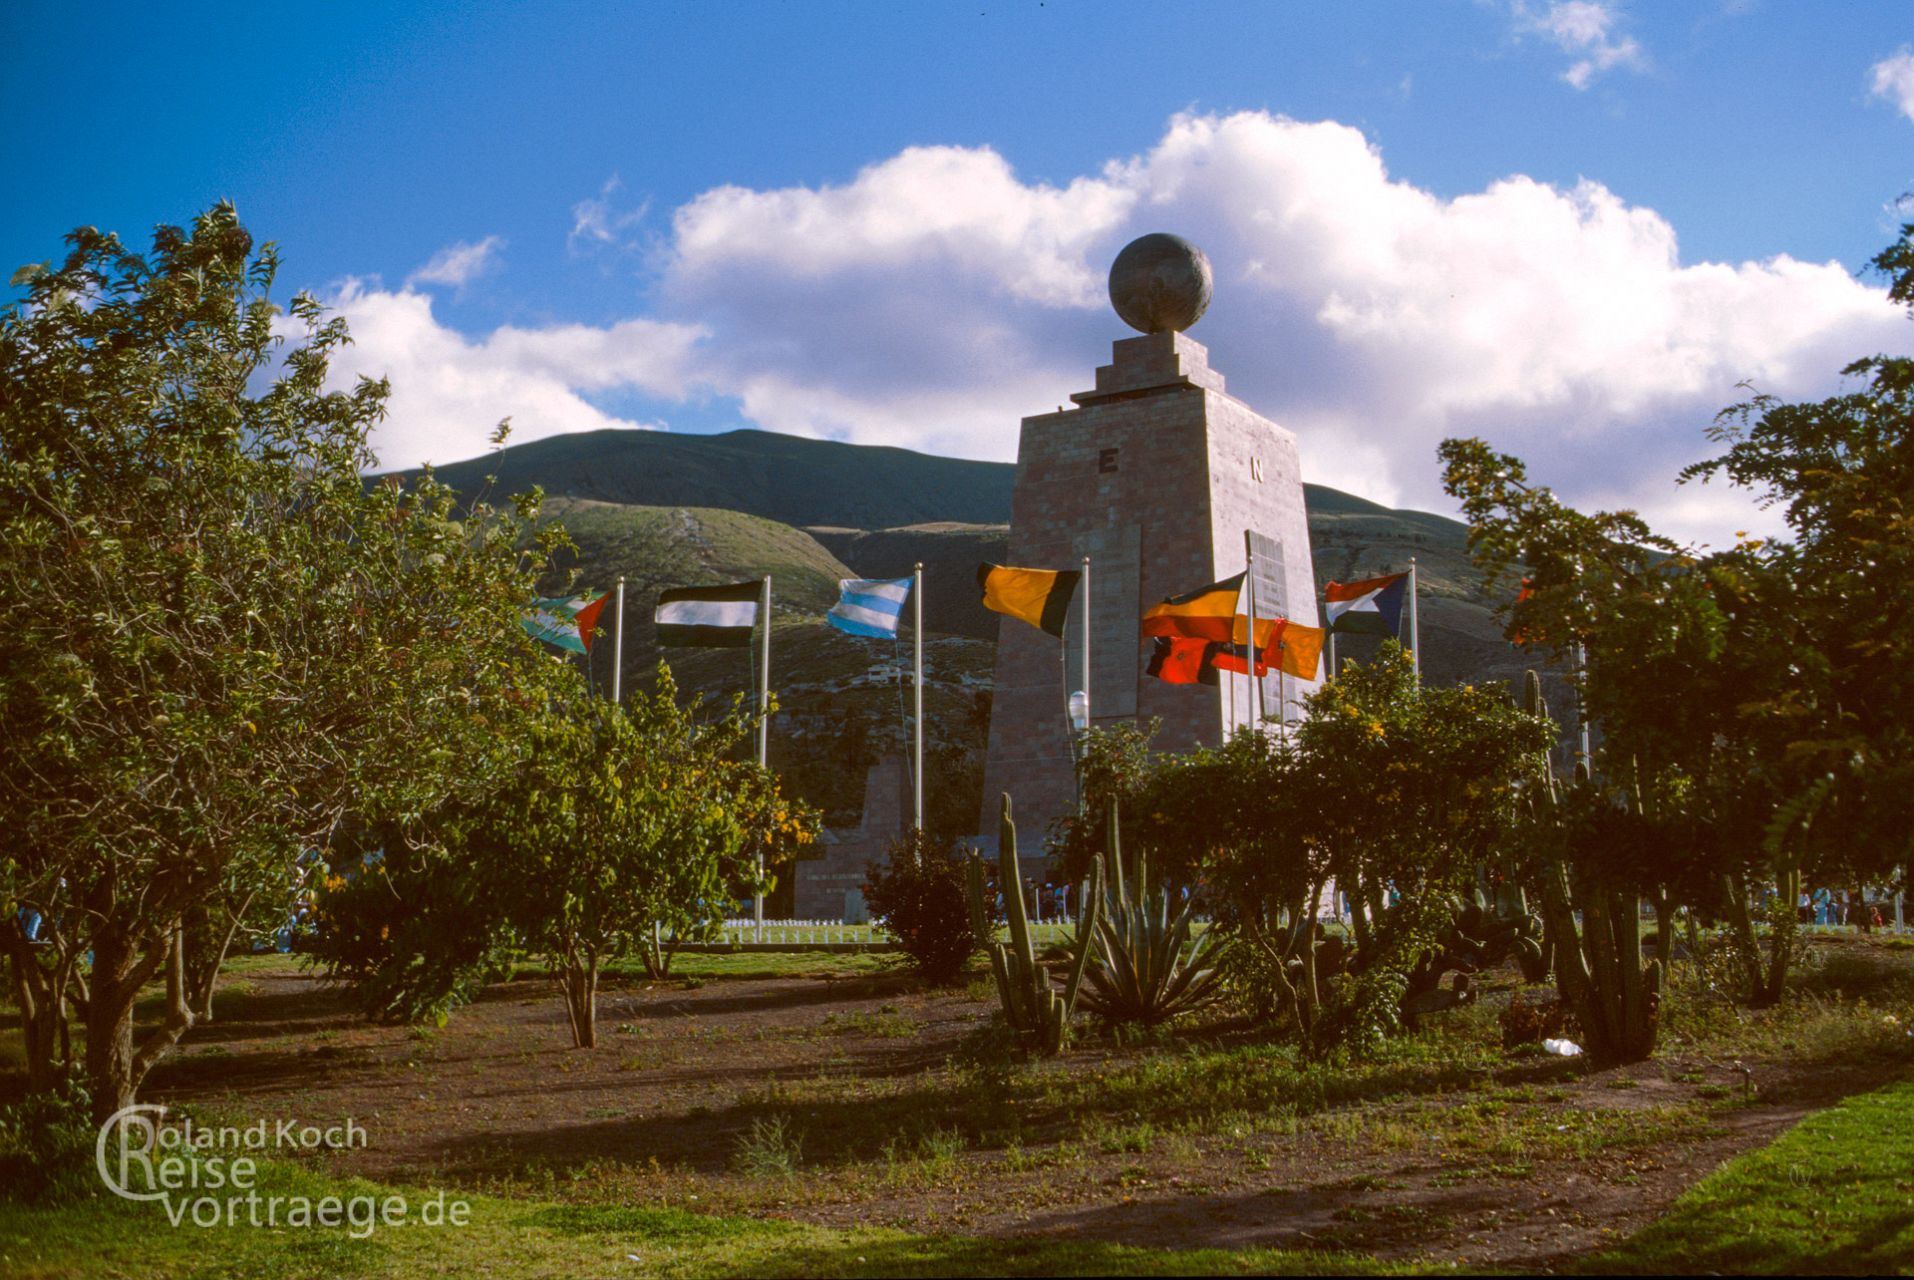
[1160, 283]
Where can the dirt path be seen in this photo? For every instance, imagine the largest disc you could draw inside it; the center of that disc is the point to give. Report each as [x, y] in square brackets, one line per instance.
[658, 1112]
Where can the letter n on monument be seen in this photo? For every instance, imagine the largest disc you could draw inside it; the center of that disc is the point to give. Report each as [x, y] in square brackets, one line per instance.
[1155, 475]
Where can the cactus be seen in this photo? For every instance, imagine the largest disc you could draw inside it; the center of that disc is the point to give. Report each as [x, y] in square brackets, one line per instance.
[1031, 1003]
[1598, 968]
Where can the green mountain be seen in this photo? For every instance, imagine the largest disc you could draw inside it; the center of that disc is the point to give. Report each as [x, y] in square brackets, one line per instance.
[784, 478]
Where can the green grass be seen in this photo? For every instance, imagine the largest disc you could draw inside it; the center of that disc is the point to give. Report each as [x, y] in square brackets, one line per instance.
[520, 1239]
[1833, 1194]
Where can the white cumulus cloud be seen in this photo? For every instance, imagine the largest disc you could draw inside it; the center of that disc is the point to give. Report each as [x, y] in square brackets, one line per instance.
[936, 298]
[458, 265]
[1892, 80]
[449, 391]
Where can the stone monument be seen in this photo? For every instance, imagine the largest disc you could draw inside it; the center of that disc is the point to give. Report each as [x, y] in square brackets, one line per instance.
[830, 880]
[1156, 476]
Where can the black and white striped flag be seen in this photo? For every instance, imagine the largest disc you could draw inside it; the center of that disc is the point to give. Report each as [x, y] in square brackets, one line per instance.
[708, 617]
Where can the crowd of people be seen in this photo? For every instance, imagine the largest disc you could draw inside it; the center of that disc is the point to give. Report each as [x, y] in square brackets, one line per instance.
[1852, 907]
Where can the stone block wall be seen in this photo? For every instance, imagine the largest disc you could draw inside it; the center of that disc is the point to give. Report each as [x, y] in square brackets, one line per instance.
[830, 886]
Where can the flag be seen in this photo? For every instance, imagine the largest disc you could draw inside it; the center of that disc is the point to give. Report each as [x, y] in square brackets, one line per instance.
[1040, 597]
[1267, 630]
[1372, 606]
[1207, 613]
[1183, 660]
[869, 606]
[1300, 649]
[566, 623]
[1287, 646]
[708, 617]
[1236, 658]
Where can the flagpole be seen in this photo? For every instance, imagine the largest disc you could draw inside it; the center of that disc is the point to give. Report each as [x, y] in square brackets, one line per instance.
[618, 646]
[917, 714]
[764, 727]
[1415, 629]
[1585, 756]
[1086, 643]
[1255, 680]
[1330, 628]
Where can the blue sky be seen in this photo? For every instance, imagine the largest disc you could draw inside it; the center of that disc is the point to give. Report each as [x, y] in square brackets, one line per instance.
[1572, 227]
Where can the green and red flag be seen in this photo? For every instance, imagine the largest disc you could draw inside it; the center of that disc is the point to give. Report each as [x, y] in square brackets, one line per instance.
[567, 623]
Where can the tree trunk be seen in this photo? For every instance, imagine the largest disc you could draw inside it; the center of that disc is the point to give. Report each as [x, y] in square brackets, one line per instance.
[1312, 989]
[122, 965]
[1290, 995]
[1741, 924]
[118, 973]
[1664, 928]
[657, 954]
[203, 976]
[581, 997]
[41, 976]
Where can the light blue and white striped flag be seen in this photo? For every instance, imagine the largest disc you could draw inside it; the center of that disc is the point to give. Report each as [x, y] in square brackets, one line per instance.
[869, 606]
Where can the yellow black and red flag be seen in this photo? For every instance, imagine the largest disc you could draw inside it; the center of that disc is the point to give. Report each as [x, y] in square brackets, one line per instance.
[1207, 613]
[1040, 597]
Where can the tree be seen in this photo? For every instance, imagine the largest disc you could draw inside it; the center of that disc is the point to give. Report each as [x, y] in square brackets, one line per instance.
[1754, 703]
[1842, 472]
[1670, 648]
[1247, 815]
[614, 829]
[624, 821]
[1413, 790]
[221, 643]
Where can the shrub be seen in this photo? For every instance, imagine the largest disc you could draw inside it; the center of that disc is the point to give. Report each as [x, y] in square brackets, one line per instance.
[920, 898]
[46, 1145]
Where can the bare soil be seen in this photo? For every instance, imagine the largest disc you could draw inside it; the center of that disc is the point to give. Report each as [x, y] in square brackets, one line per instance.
[659, 1111]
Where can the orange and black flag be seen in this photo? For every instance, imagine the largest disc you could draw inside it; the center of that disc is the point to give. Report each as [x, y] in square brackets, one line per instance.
[1040, 597]
[1207, 613]
[1287, 646]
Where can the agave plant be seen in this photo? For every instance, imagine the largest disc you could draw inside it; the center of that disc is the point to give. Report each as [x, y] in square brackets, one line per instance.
[1149, 967]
